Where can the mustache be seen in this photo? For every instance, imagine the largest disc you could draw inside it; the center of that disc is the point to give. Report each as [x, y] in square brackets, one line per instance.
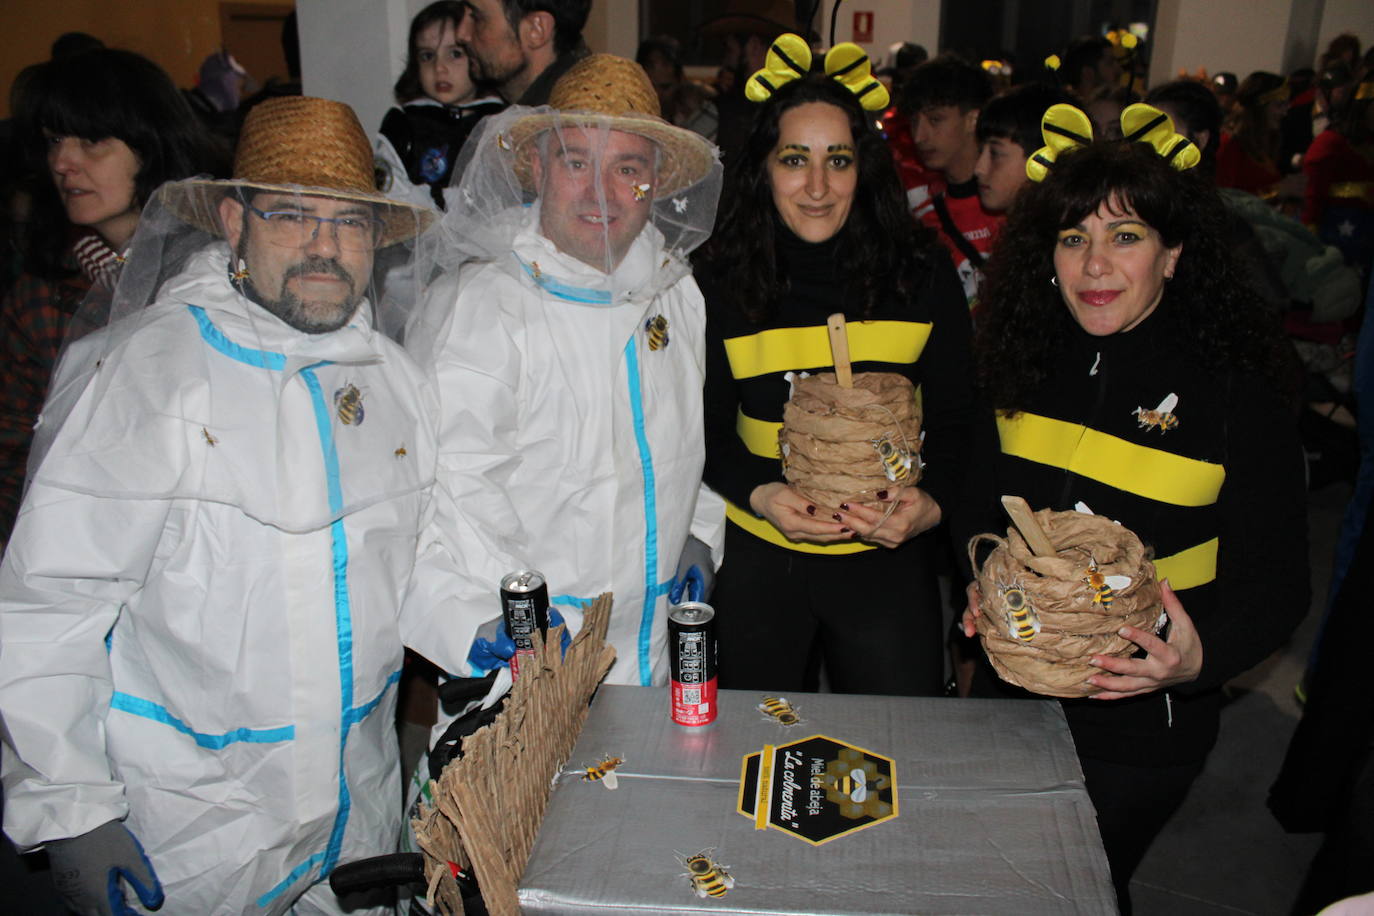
[314, 264]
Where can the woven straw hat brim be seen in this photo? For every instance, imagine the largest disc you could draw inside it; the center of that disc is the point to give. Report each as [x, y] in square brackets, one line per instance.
[196, 201]
[684, 157]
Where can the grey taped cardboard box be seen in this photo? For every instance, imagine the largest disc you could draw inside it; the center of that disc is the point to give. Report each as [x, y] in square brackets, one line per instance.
[992, 814]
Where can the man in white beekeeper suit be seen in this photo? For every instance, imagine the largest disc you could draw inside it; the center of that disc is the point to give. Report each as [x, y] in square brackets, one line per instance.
[569, 355]
[201, 602]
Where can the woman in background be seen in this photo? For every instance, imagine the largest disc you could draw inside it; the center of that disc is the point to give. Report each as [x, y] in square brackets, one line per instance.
[108, 127]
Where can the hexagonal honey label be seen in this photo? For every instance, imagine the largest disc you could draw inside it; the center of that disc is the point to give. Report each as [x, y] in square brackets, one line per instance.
[817, 789]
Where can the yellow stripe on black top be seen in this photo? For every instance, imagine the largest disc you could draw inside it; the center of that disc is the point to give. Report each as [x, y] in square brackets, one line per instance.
[789, 349]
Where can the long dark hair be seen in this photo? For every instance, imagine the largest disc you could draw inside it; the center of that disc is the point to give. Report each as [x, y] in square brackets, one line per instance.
[102, 93]
[408, 87]
[887, 252]
[1248, 121]
[1206, 307]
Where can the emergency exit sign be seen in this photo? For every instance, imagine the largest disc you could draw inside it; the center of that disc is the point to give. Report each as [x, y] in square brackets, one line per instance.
[863, 26]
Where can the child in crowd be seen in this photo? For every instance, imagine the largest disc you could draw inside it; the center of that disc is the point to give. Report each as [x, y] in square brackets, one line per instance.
[942, 100]
[439, 104]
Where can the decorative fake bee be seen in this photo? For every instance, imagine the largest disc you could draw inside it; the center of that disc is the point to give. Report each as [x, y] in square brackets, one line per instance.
[1161, 418]
[708, 878]
[641, 191]
[349, 401]
[896, 461]
[780, 709]
[657, 329]
[1022, 621]
[401, 452]
[604, 772]
[209, 439]
[1104, 587]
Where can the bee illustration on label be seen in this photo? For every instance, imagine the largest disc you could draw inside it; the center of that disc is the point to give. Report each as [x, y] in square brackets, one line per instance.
[349, 402]
[853, 784]
[708, 878]
[604, 772]
[779, 709]
[401, 452]
[209, 439]
[1104, 587]
[657, 329]
[896, 461]
[1161, 418]
[641, 191]
[1022, 621]
[503, 141]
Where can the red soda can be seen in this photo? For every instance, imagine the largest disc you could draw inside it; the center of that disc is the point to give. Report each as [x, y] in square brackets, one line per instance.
[525, 608]
[692, 664]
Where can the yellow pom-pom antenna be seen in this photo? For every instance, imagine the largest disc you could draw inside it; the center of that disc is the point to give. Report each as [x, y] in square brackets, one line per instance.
[848, 65]
[1147, 124]
[1064, 127]
[1052, 62]
[788, 59]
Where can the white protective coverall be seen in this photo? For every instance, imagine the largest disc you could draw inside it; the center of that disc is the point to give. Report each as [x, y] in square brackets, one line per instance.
[202, 624]
[568, 442]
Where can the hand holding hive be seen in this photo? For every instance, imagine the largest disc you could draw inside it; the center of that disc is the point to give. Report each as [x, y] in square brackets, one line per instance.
[1043, 617]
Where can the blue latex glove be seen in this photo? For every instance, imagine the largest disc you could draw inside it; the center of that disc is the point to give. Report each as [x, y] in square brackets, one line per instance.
[90, 871]
[487, 654]
[696, 573]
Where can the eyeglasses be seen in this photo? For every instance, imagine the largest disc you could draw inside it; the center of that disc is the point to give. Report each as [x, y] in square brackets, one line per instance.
[294, 229]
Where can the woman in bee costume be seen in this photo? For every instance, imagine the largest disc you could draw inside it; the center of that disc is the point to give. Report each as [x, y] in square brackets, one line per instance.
[814, 224]
[1133, 371]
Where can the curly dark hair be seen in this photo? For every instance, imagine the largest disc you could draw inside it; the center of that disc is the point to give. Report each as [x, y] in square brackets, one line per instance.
[1207, 306]
[743, 246]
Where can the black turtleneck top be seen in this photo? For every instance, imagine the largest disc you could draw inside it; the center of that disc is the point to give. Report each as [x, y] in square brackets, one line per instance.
[1219, 495]
[924, 337]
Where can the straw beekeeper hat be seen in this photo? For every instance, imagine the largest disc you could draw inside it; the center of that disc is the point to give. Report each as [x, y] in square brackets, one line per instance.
[298, 144]
[615, 93]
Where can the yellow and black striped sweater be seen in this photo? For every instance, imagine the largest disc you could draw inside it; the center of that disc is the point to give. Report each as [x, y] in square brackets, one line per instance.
[926, 339]
[1219, 495]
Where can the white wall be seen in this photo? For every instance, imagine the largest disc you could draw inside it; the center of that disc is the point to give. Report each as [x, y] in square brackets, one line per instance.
[353, 50]
[893, 21]
[1236, 35]
[1356, 16]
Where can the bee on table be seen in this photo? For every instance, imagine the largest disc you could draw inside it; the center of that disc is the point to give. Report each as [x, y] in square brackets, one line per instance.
[349, 401]
[657, 329]
[708, 879]
[401, 452]
[896, 461]
[1104, 587]
[209, 439]
[778, 708]
[1022, 621]
[604, 772]
[1161, 418]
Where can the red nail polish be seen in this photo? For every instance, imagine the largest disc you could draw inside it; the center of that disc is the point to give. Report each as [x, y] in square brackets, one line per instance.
[882, 494]
[844, 530]
[836, 517]
[810, 510]
[844, 506]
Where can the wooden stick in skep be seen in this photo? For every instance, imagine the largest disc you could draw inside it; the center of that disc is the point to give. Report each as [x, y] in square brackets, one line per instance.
[839, 350]
[1030, 529]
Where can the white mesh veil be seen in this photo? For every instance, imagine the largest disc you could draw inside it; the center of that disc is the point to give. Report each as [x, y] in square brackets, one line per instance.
[601, 191]
[189, 383]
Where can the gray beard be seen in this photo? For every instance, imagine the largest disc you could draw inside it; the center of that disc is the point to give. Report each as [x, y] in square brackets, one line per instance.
[295, 312]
